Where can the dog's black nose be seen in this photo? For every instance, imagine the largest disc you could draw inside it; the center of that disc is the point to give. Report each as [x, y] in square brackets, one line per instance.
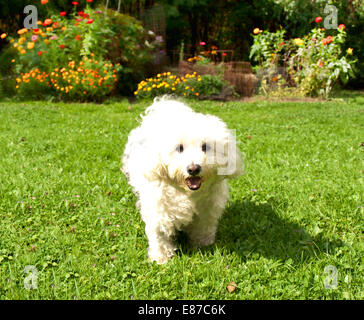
[193, 169]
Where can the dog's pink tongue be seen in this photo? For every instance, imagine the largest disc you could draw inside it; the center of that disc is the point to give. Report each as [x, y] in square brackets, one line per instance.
[193, 183]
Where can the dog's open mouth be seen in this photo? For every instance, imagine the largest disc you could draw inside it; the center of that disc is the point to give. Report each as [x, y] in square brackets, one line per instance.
[193, 183]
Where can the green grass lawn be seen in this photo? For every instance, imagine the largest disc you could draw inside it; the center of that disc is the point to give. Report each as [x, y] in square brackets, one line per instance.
[67, 209]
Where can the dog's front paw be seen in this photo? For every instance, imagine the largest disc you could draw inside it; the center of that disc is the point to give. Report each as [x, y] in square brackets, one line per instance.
[159, 257]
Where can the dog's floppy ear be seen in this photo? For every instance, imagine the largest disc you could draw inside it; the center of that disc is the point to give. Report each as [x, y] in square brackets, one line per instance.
[155, 169]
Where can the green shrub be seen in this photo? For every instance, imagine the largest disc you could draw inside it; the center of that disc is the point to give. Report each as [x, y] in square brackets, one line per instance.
[112, 39]
[190, 85]
[314, 63]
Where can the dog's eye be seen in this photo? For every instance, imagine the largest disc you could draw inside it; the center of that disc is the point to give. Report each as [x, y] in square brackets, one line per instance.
[179, 148]
[205, 147]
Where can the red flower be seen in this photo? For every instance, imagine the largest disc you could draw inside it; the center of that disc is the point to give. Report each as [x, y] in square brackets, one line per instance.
[202, 43]
[341, 27]
[89, 1]
[78, 37]
[86, 16]
[327, 40]
[44, 24]
[282, 43]
[40, 53]
[36, 30]
[80, 13]
[79, 19]
[75, 3]
[62, 46]
[89, 21]
[62, 13]
[224, 54]
[318, 19]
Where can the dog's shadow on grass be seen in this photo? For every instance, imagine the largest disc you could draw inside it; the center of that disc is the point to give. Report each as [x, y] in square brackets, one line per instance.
[247, 229]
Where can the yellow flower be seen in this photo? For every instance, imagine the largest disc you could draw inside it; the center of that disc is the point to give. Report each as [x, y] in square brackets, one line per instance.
[3, 36]
[13, 60]
[23, 51]
[30, 45]
[15, 45]
[257, 30]
[49, 29]
[298, 41]
[350, 51]
[46, 41]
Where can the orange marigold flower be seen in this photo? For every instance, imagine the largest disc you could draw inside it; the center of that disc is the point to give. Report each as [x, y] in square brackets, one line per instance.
[22, 31]
[44, 1]
[3, 36]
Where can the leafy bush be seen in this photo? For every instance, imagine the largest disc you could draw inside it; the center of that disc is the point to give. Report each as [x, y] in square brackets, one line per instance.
[267, 46]
[115, 43]
[190, 85]
[167, 83]
[209, 85]
[88, 79]
[319, 62]
[313, 64]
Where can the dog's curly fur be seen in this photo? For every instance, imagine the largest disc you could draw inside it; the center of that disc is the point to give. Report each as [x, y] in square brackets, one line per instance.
[157, 162]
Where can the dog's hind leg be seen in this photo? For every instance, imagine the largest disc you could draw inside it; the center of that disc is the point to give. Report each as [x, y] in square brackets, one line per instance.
[202, 231]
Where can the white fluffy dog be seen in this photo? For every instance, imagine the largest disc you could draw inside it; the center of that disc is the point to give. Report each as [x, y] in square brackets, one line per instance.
[177, 162]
